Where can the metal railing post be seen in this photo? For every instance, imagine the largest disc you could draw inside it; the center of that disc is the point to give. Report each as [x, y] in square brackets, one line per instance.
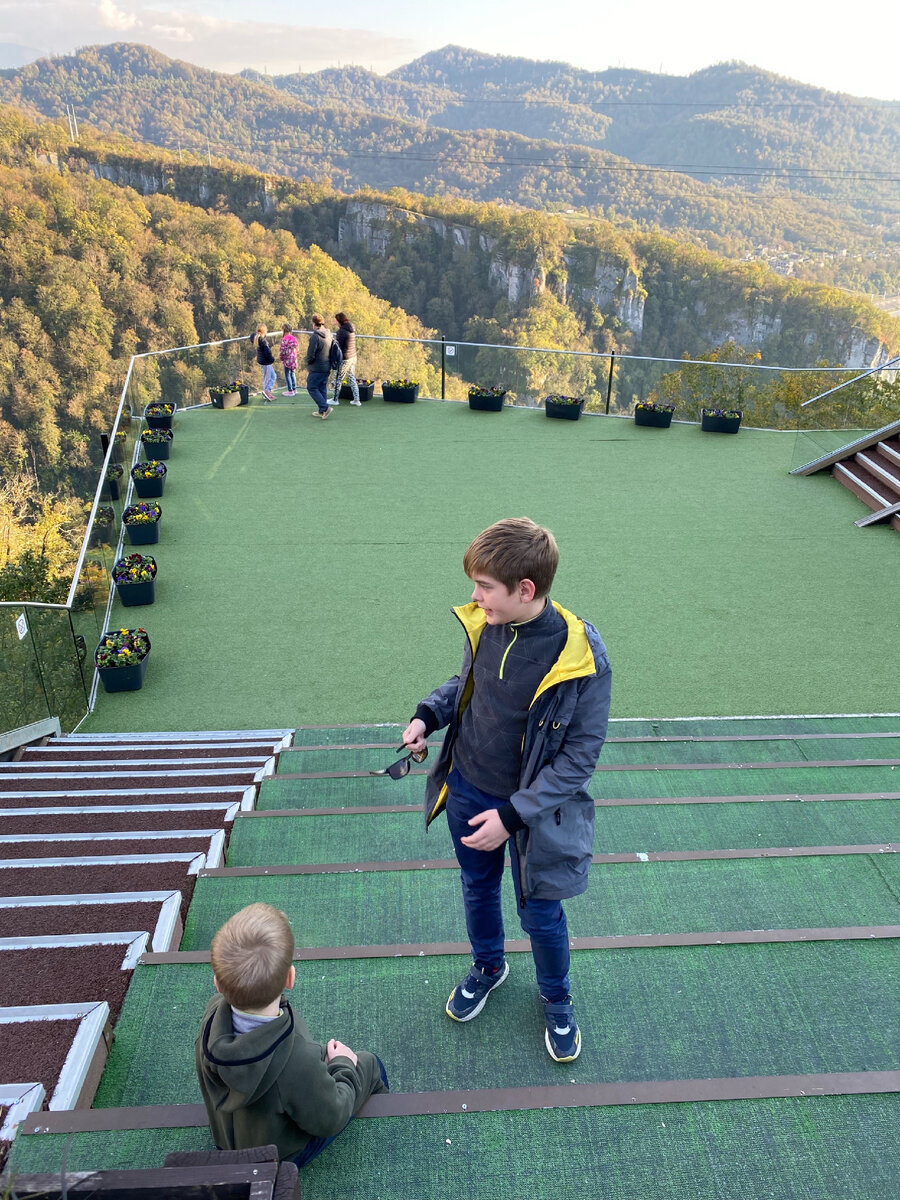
[443, 367]
[612, 363]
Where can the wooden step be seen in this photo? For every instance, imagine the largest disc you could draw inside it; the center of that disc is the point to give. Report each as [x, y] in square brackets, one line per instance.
[862, 484]
[883, 469]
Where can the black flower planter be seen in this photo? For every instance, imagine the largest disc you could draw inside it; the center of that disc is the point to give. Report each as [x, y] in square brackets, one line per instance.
[122, 679]
[366, 391]
[111, 489]
[711, 424]
[399, 395]
[159, 451]
[563, 412]
[149, 489]
[222, 399]
[133, 594]
[142, 533]
[164, 421]
[486, 403]
[655, 418]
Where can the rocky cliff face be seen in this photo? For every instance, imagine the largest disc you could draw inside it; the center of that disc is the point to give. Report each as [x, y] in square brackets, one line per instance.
[615, 288]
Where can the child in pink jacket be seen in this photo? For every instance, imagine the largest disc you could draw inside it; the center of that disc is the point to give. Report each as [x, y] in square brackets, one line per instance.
[288, 354]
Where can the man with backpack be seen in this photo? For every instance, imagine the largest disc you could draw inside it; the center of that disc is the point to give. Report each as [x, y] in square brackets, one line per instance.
[318, 362]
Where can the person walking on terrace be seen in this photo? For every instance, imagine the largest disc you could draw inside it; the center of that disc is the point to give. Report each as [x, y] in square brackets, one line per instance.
[527, 718]
[346, 339]
[263, 1079]
[266, 360]
[318, 365]
[288, 354]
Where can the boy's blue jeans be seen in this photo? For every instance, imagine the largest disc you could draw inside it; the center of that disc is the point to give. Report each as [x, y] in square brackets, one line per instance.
[315, 1146]
[481, 873]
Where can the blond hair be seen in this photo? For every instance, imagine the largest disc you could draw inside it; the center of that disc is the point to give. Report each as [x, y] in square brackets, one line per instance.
[261, 329]
[512, 550]
[251, 956]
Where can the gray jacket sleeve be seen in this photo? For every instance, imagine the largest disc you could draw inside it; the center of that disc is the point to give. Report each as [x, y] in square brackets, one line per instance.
[437, 709]
[572, 766]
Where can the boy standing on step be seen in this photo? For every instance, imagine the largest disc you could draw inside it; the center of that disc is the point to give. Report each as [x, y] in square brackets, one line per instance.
[264, 1080]
[527, 719]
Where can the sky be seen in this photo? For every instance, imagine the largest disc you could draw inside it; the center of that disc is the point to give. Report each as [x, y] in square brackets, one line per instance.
[855, 54]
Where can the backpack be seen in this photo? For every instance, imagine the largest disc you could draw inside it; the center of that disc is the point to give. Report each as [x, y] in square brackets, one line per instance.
[335, 356]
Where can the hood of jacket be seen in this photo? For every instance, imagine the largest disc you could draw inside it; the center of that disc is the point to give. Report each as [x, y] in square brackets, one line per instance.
[247, 1064]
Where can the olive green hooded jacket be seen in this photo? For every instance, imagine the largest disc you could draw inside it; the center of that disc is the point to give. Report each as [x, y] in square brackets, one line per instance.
[273, 1085]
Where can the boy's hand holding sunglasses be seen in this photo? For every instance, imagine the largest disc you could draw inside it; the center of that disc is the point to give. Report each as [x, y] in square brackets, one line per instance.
[401, 767]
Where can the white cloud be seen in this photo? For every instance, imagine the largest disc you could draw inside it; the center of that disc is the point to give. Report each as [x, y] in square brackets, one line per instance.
[112, 17]
[172, 33]
[59, 27]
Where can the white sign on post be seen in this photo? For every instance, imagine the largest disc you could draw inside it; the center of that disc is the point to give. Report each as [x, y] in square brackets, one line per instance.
[451, 351]
[21, 626]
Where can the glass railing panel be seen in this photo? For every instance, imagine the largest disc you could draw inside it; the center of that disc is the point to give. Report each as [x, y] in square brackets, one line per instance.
[66, 664]
[42, 667]
[840, 412]
[381, 358]
[526, 374]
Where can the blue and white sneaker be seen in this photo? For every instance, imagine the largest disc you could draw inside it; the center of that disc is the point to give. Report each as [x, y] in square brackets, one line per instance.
[561, 1037]
[469, 997]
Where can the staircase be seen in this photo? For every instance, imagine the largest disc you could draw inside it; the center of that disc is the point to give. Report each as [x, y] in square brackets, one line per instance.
[101, 840]
[870, 468]
[734, 969]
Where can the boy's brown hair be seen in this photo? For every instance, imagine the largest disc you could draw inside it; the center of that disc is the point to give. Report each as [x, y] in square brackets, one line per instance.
[513, 550]
[318, 319]
[251, 956]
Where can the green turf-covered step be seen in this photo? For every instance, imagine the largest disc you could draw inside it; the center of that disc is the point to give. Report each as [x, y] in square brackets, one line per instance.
[351, 792]
[385, 837]
[354, 908]
[349, 735]
[796, 1148]
[773, 750]
[663, 1013]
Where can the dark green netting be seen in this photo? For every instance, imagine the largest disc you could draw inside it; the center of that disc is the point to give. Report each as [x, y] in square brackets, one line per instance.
[827, 1148]
[610, 785]
[386, 907]
[385, 837]
[666, 1013]
[774, 750]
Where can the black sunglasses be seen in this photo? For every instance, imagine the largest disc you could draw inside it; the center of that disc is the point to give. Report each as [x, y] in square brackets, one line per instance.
[401, 767]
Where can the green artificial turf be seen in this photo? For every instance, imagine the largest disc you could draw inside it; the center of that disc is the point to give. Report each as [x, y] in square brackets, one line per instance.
[704, 564]
[645, 1014]
[833, 1147]
[375, 837]
[627, 753]
[387, 734]
[353, 908]
[350, 791]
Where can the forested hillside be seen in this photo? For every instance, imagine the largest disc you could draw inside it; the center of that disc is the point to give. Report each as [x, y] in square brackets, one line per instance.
[493, 273]
[357, 130]
[91, 273]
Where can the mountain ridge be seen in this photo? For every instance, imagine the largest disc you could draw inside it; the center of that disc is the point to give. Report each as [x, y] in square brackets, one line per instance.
[140, 92]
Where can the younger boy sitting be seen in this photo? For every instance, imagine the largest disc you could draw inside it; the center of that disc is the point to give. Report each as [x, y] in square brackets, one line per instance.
[263, 1079]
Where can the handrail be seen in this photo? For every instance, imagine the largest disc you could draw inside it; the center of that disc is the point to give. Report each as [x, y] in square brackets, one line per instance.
[872, 371]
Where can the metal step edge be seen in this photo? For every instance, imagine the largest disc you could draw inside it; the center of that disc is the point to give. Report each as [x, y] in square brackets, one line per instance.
[231, 809]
